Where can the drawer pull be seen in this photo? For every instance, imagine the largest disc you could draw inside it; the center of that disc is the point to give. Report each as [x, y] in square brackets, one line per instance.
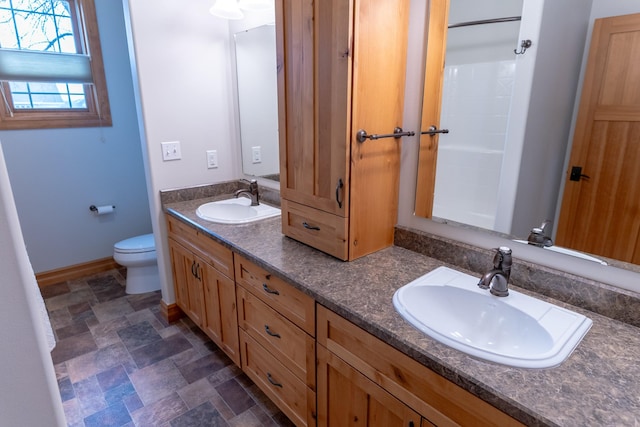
[310, 227]
[267, 289]
[272, 381]
[270, 332]
[193, 269]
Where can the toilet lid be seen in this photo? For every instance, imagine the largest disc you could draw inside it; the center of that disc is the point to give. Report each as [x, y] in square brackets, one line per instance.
[144, 243]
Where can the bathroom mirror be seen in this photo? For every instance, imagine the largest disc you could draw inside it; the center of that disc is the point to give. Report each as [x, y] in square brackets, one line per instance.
[500, 167]
[255, 53]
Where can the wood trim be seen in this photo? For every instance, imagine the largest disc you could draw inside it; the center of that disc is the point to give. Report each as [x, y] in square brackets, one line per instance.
[171, 312]
[76, 271]
[437, 19]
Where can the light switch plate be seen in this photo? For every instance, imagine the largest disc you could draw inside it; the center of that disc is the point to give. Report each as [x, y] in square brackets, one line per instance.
[212, 159]
[171, 150]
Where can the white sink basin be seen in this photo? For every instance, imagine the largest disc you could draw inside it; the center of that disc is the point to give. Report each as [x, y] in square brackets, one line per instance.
[566, 251]
[517, 330]
[235, 211]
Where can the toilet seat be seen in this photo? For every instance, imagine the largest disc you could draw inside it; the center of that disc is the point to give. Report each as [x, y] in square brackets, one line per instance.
[136, 245]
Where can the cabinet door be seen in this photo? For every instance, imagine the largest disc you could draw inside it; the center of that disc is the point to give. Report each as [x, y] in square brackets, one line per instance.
[348, 398]
[314, 46]
[182, 265]
[196, 292]
[221, 320]
[187, 276]
[179, 274]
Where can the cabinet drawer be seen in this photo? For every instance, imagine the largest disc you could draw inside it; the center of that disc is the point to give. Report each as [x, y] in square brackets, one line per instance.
[287, 342]
[293, 304]
[433, 396]
[290, 394]
[220, 257]
[319, 229]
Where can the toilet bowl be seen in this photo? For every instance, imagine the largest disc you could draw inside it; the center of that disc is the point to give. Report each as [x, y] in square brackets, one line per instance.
[138, 254]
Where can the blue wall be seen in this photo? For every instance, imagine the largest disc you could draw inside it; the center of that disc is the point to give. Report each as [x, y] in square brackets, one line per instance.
[56, 174]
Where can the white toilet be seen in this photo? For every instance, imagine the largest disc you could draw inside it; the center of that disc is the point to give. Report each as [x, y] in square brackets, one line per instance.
[138, 254]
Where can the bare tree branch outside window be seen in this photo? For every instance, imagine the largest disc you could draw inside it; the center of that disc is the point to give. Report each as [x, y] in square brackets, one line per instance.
[41, 25]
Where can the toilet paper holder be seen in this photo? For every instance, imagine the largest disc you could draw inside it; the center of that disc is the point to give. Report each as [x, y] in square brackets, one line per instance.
[97, 209]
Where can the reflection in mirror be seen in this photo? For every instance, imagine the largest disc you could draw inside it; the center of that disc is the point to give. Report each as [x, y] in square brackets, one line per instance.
[257, 101]
[500, 168]
[476, 97]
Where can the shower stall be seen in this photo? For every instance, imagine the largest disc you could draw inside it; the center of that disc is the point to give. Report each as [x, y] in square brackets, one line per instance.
[501, 66]
[479, 75]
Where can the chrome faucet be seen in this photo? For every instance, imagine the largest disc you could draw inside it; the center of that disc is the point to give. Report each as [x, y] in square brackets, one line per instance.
[251, 192]
[538, 237]
[497, 279]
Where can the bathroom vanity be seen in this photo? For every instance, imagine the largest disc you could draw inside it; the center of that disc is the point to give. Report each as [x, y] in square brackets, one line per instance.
[340, 337]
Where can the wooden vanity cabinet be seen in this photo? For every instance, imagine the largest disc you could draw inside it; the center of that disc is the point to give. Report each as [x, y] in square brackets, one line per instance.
[316, 366]
[348, 357]
[347, 397]
[277, 340]
[341, 69]
[204, 286]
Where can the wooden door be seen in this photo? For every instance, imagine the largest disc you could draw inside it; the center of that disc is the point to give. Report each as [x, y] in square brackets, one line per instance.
[437, 21]
[313, 44]
[600, 211]
[220, 318]
[348, 398]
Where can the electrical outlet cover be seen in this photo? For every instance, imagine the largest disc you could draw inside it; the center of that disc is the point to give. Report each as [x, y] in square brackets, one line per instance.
[256, 155]
[212, 159]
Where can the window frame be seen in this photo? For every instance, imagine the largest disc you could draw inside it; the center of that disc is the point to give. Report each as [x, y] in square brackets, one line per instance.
[97, 113]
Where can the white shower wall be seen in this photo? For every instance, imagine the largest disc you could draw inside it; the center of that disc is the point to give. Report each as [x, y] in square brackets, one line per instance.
[475, 107]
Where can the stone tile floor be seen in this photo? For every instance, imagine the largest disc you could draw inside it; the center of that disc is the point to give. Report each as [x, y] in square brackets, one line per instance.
[119, 363]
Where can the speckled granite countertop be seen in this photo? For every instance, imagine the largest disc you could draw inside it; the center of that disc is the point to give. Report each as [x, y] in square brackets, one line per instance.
[599, 384]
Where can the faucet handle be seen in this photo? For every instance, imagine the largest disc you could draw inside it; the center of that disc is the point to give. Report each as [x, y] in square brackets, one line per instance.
[502, 255]
[544, 225]
[506, 259]
[253, 184]
[538, 237]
